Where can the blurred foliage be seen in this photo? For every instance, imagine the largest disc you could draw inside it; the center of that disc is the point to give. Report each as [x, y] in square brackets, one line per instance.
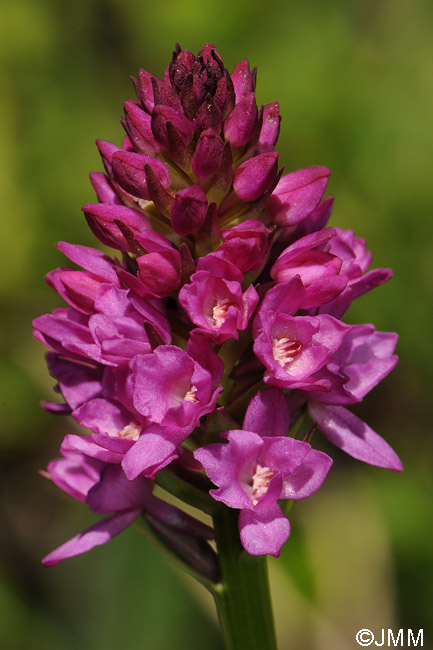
[354, 82]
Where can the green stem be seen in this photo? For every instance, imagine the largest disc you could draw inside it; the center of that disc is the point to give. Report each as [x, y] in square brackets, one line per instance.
[242, 597]
[186, 492]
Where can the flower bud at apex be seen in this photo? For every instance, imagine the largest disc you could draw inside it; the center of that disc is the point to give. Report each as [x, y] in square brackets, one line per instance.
[270, 128]
[207, 155]
[178, 150]
[190, 96]
[255, 176]
[145, 90]
[102, 217]
[163, 114]
[189, 210]
[129, 172]
[157, 191]
[241, 124]
[243, 79]
[225, 95]
[137, 125]
[167, 97]
[180, 67]
[208, 116]
[224, 176]
[228, 280]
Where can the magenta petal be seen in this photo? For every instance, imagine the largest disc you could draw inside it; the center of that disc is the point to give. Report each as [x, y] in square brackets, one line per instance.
[247, 244]
[78, 288]
[96, 535]
[369, 281]
[200, 349]
[306, 243]
[116, 445]
[354, 436]
[233, 495]
[323, 291]
[107, 149]
[308, 477]
[363, 360]
[219, 267]
[114, 493]
[104, 191]
[87, 446]
[231, 466]
[159, 272]
[285, 298]
[63, 332]
[321, 272]
[263, 532]
[78, 383]
[56, 408]
[150, 453]
[297, 195]
[365, 375]
[75, 474]
[161, 381]
[90, 259]
[268, 414]
[103, 416]
[217, 306]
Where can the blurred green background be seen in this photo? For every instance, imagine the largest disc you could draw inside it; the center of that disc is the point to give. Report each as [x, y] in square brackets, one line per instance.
[355, 85]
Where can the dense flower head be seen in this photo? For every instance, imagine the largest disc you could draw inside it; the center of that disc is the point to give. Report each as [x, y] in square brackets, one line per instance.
[196, 347]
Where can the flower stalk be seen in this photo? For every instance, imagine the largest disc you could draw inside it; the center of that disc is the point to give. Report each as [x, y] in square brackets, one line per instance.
[242, 597]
